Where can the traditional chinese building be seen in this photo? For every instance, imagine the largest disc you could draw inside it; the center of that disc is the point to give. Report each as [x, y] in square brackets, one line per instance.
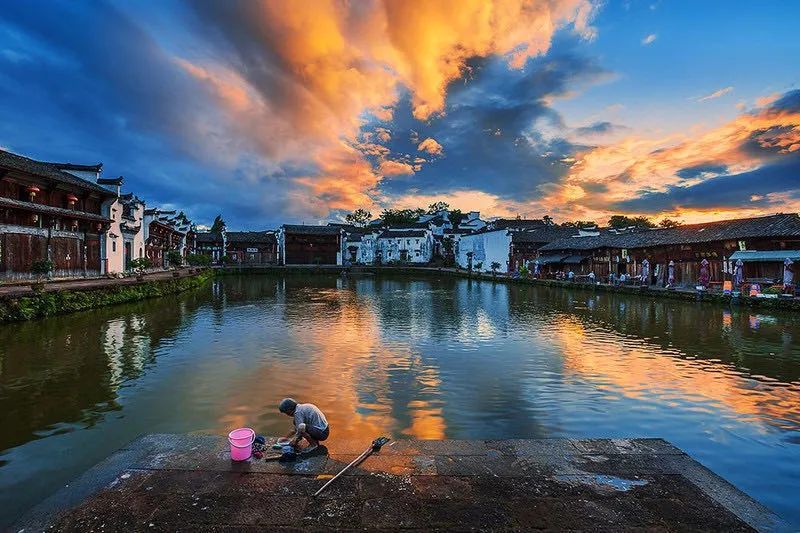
[49, 211]
[404, 246]
[124, 240]
[310, 245]
[212, 244]
[252, 247]
[686, 247]
[525, 243]
[162, 235]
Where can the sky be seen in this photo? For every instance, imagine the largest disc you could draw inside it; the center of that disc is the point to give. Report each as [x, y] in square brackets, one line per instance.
[299, 112]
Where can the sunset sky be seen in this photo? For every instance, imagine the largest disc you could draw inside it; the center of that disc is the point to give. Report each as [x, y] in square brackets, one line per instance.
[280, 112]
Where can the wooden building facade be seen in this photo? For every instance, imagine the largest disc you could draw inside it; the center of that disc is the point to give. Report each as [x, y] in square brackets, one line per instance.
[252, 247]
[47, 212]
[686, 247]
[310, 245]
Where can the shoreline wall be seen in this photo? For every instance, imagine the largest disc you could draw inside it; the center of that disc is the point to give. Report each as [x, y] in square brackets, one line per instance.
[777, 304]
[64, 301]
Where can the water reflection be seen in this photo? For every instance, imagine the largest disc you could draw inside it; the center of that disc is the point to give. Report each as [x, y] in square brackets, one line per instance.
[426, 359]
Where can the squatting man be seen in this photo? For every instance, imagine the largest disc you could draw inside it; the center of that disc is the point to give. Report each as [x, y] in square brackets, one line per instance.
[309, 423]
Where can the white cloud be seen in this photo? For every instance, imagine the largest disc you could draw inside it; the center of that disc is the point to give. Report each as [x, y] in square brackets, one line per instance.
[715, 94]
[649, 39]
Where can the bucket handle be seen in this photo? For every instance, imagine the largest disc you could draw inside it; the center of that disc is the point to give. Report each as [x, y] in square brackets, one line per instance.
[252, 440]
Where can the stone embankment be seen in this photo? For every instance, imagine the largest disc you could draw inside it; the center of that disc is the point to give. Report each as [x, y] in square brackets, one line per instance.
[21, 302]
[189, 483]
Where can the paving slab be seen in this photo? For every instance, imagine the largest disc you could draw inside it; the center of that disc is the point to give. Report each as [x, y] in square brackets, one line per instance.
[189, 483]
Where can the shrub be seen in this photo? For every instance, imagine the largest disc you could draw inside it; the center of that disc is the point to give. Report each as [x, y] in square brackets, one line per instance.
[141, 264]
[479, 265]
[174, 258]
[198, 260]
[42, 267]
[523, 271]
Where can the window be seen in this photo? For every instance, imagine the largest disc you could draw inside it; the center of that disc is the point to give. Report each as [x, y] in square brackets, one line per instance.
[416, 241]
[408, 241]
[417, 253]
[113, 246]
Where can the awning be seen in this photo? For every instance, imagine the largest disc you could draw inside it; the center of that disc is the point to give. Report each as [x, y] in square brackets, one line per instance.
[547, 259]
[575, 259]
[776, 256]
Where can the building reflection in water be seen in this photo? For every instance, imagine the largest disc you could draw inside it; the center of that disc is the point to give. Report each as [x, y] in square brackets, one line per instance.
[435, 358]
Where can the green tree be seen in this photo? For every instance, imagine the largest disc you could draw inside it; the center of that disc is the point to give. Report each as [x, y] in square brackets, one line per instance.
[495, 265]
[547, 219]
[668, 223]
[396, 217]
[456, 216]
[218, 224]
[578, 224]
[438, 206]
[622, 221]
[359, 217]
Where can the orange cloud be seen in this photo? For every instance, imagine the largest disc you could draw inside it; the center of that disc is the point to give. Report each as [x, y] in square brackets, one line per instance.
[308, 74]
[634, 164]
[395, 168]
[430, 146]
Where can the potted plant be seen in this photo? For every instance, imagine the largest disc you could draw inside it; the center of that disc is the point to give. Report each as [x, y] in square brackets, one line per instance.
[42, 269]
[495, 265]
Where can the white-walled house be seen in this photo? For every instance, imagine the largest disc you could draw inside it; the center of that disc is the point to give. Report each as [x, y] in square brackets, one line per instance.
[472, 222]
[361, 247]
[479, 250]
[405, 245]
[125, 239]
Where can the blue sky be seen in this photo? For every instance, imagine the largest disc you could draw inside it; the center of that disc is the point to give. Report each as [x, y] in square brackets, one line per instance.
[271, 113]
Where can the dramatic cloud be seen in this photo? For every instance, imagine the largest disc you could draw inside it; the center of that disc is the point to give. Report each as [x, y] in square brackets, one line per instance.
[274, 111]
[709, 175]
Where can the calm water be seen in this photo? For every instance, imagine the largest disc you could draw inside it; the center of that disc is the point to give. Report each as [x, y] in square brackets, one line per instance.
[427, 359]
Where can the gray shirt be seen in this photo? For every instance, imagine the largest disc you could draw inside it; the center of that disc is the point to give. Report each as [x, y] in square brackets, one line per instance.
[310, 415]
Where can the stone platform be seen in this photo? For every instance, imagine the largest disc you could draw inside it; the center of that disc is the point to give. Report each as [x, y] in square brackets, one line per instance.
[187, 482]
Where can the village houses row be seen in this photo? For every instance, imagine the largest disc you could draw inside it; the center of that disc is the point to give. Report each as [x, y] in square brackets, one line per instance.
[86, 225]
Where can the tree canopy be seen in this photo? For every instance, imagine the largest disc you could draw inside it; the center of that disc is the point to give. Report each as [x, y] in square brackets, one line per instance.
[438, 206]
[359, 217]
[622, 221]
[668, 223]
[578, 224]
[218, 224]
[393, 217]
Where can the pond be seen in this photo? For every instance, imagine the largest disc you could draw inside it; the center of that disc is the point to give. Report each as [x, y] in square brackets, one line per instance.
[425, 358]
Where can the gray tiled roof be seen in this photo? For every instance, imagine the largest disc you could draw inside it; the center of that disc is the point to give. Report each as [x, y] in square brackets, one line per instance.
[49, 171]
[396, 234]
[543, 234]
[312, 230]
[208, 237]
[50, 210]
[513, 223]
[251, 236]
[781, 225]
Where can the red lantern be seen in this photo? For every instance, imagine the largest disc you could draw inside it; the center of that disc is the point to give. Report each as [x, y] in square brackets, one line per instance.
[32, 191]
[72, 199]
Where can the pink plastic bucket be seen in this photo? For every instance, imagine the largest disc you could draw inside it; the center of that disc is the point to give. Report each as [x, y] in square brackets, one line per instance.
[241, 443]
